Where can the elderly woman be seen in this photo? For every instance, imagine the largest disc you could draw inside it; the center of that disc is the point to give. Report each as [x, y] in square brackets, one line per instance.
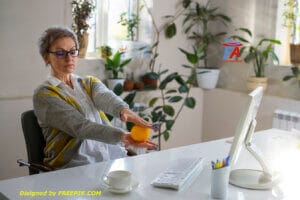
[70, 109]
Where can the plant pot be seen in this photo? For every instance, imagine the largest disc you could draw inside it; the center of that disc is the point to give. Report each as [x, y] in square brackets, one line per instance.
[111, 83]
[207, 78]
[83, 44]
[149, 83]
[254, 82]
[138, 85]
[295, 54]
[128, 85]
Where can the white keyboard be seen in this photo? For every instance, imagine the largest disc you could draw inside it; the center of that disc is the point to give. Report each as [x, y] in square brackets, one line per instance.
[179, 173]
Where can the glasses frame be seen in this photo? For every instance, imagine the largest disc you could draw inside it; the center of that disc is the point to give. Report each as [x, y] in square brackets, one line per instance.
[66, 53]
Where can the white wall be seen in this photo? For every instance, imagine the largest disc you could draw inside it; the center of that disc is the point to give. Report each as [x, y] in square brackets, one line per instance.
[21, 70]
[222, 110]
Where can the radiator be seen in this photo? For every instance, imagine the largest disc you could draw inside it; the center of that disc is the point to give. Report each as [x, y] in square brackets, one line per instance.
[286, 120]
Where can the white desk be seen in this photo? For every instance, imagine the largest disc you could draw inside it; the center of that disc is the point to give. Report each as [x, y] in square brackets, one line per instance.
[146, 167]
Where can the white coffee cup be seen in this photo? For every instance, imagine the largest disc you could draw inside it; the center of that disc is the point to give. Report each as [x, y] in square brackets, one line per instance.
[119, 179]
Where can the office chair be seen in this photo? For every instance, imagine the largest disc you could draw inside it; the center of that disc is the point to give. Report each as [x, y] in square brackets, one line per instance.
[35, 144]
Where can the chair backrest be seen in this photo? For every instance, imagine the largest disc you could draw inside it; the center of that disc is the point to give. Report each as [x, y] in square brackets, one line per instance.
[34, 138]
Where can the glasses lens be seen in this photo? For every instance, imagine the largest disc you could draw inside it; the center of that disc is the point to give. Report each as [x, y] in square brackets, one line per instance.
[73, 53]
[60, 54]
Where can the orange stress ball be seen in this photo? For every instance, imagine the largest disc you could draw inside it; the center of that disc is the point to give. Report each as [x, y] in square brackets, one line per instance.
[140, 134]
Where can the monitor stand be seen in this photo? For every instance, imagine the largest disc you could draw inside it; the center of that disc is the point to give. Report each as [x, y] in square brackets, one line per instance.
[254, 179]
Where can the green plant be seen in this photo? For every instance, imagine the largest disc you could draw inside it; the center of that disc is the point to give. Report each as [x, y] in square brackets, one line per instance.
[289, 14]
[131, 22]
[116, 64]
[170, 30]
[105, 51]
[161, 110]
[295, 74]
[197, 21]
[81, 11]
[258, 54]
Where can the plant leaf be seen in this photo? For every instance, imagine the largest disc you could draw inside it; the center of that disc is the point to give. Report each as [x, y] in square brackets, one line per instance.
[153, 101]
[190, 102]
[118, 89]
[174, 99]
[170, 31]
[169, 124]
[166, 135]
[169, 110]
[130, 97]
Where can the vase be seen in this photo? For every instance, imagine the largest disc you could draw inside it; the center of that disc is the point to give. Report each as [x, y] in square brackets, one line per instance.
[83, 44]
[254, 82]
[207, 78]
[295, 54]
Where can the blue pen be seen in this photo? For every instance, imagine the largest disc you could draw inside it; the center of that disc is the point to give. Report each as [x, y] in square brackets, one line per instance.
[227, 160]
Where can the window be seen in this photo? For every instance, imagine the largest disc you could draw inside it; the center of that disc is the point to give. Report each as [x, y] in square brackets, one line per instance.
[284, 31]
[105, 29]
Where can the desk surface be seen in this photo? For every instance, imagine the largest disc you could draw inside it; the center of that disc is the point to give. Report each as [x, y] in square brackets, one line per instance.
[147, 166]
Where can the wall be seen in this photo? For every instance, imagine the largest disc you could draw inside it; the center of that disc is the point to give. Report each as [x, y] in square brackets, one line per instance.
[222, 110]
[21, 70]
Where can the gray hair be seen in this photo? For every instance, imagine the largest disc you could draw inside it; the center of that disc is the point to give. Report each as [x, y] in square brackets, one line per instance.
[53, 33]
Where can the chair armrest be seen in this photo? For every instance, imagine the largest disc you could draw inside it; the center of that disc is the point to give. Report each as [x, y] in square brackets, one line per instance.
[35, 166]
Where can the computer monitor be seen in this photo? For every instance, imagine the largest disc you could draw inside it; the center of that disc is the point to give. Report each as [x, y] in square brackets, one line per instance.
[250, 178]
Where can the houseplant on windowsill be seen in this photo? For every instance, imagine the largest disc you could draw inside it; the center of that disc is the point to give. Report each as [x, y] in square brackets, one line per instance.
[105, 51]
[291, 22]
[258, 54]
[81, 12]
[115, 65]
[197, 24]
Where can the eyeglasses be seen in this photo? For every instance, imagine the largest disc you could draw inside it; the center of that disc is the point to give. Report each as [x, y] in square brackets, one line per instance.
[63, 53]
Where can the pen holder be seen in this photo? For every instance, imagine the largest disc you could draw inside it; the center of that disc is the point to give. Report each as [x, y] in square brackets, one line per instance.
[219, 183]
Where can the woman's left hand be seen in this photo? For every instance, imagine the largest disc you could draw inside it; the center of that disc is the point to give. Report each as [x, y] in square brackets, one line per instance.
[128, 141]
[127, 115]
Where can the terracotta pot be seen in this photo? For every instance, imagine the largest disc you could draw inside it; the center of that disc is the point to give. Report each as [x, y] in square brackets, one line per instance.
[254, 82]
[138, 85]
[128, 85]
[149, 82]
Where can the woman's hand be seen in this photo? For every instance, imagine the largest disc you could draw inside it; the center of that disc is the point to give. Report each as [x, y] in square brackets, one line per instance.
[127, 115]
[128, 141]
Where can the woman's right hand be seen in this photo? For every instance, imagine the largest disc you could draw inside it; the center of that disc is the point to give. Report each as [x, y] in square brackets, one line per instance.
[128, 141]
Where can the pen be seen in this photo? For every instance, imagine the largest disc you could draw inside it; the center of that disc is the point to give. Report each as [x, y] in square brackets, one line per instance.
[220, 164]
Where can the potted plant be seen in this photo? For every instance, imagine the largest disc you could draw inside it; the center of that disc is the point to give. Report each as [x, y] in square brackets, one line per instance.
[131, 23]
[258, 54]
[161, 110]
[150, 79]
[105, 51]
[295, 75]
[197, 22]
[115, 65]
[291, 22]
[81, 12]
[128, 83]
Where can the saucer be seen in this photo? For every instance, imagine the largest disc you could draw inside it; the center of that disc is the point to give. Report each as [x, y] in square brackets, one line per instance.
[133, 185]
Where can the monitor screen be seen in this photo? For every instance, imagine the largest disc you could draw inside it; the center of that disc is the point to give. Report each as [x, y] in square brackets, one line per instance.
[247, 118]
